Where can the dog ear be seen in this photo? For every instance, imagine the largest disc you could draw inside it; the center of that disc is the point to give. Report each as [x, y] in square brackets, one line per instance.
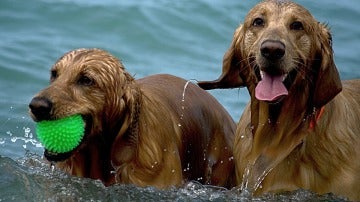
[328, 83]
[230, 77]
[125, 141]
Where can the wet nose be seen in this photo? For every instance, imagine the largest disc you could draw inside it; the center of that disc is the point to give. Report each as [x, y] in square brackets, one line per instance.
[272, 50]
[40, 107]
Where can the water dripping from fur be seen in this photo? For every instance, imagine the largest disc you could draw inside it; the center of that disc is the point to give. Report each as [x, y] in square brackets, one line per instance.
[183, 99]
[245, 186]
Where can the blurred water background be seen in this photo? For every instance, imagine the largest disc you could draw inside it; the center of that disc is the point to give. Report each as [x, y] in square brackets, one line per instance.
[185, 38]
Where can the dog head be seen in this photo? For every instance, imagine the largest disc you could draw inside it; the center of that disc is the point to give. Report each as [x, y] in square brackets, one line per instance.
[279, 45]
[89, 82]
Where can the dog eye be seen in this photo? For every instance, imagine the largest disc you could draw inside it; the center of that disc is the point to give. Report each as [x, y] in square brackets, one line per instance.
[258, 22]
[85, 81]
[53, 75]
[296, 26]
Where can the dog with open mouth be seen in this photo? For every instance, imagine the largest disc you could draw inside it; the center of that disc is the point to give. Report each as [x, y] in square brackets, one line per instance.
[156, 131]
[301, 128]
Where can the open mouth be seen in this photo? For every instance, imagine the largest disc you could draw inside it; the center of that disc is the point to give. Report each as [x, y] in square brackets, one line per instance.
[56, 156]
[273, 88]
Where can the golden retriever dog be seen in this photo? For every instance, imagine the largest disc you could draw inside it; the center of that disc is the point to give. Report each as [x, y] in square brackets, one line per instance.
[156, 131]
[301, 128]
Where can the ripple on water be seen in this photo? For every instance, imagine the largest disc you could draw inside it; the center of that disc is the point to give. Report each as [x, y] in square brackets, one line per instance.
[39, 182]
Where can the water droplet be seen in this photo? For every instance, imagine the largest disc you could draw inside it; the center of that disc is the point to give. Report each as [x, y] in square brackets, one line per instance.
[13, 139]
[52, 166]
[179, 124]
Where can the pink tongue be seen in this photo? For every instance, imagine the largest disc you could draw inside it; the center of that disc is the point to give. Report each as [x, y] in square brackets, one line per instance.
[270, 88]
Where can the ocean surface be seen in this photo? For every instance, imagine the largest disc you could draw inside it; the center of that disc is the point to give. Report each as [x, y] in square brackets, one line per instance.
[186, 38]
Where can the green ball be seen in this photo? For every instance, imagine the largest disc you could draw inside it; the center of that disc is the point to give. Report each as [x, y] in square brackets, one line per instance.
[61, 135]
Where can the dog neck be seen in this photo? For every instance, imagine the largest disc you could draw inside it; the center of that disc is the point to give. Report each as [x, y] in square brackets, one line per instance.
[277, 129]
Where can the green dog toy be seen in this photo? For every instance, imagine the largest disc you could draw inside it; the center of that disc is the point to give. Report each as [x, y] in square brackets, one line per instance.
[62, 135]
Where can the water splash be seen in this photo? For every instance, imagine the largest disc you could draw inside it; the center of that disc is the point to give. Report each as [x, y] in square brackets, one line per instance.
[183, 99]
[27, 138]
[246, 179]
[40, 182]
[15, 133]
[261, 178]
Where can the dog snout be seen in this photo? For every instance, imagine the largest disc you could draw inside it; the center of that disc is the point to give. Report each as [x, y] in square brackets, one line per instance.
[272, 50]
[40, 108]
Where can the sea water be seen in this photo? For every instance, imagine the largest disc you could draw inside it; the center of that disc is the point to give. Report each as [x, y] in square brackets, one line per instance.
[185, 38]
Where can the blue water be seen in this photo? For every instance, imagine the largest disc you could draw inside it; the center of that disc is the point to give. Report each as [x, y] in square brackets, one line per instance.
[185, 38]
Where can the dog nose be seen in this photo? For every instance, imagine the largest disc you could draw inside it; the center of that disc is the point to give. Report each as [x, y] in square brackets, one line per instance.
[41, 107]
[272, 50]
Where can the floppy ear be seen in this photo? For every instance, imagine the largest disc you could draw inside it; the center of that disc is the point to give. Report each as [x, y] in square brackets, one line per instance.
[230, 77]
[125, 140]
[328, 83]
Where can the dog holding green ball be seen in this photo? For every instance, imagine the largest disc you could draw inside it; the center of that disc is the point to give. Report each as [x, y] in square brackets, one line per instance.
[96, 121]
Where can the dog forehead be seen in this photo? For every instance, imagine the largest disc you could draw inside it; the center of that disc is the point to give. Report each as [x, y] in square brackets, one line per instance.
[96, 60]
[278, 7]
[276, 11]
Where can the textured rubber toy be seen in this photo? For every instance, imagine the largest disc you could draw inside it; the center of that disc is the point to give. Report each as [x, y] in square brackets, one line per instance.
[62, 135]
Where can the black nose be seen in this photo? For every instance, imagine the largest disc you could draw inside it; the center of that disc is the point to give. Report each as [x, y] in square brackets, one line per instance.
[272, 50]
[41, 107]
